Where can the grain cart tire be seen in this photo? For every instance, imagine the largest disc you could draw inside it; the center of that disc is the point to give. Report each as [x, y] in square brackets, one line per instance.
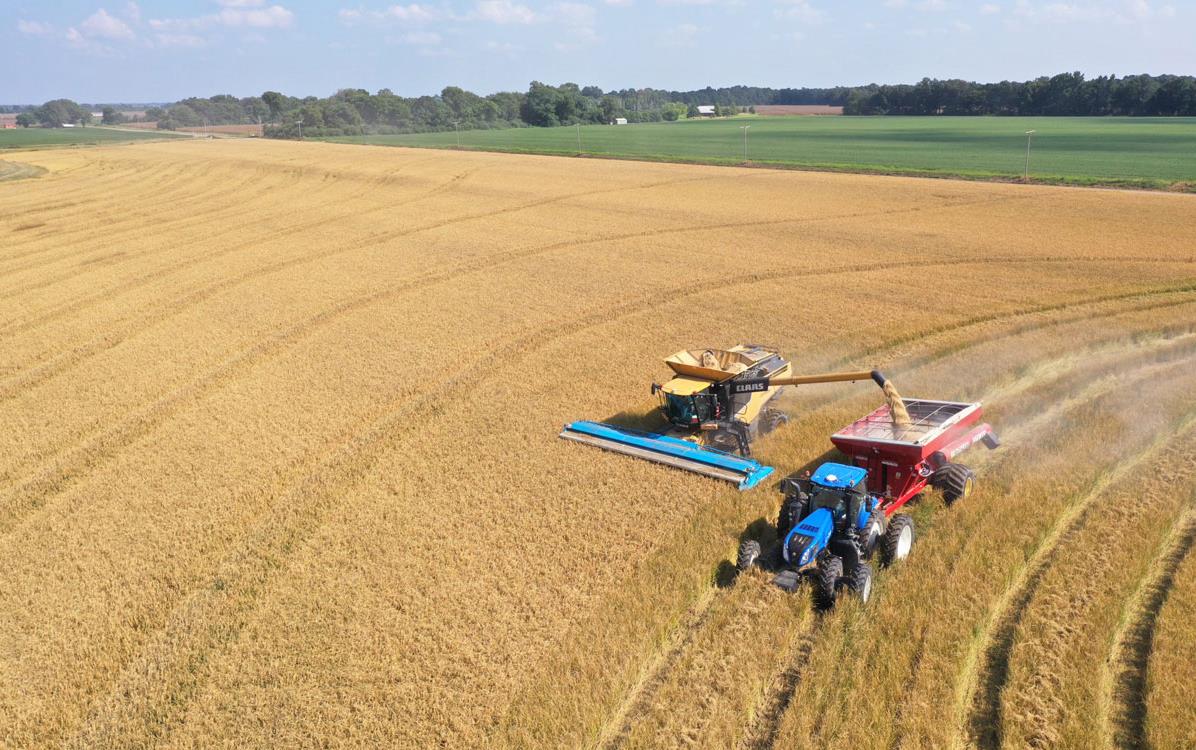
[898, 539]
[826, 581]
[861, 581]
[749, 554]
[791, 512]
[955, 481]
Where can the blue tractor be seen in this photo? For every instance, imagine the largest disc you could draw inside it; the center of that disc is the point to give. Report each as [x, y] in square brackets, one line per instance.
[830, 529]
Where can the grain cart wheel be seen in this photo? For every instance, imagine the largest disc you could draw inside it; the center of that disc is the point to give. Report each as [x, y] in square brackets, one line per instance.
[861, 581]
[955, 481]
[826, 580]
[749, 554]
[899, 538]
[791, 512]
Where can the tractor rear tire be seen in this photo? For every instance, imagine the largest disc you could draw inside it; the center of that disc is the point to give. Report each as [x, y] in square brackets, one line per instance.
[898, 539]
[869, 537]
[955, 481]
[826, 582]
[791, 512]
[749, 554]
[861, 581]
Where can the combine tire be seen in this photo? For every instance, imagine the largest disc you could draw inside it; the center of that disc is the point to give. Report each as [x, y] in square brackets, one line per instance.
[955, 481]
[749, 554]
[774, 419]
[826, 582]
[899, 538]
[861, 581]
[790, 514]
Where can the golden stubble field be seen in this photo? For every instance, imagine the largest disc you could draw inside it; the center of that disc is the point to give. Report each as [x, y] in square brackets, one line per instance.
[280, 464]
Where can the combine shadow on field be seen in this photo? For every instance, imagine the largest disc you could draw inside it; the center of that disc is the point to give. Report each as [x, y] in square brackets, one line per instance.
[647, 420]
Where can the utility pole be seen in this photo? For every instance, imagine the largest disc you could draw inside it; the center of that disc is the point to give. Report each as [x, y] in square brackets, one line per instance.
[300, 124]
[579, 137]
[458, 132]
[1029, 136]
[744, 128]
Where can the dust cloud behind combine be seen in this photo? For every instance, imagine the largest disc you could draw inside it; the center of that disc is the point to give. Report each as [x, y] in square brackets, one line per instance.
[284, 467]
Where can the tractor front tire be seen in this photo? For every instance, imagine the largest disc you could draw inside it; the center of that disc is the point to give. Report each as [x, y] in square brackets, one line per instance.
[749, 554]
[899, 538]
[861, 581]
[869, 537]
[955, 481]
[826, 582]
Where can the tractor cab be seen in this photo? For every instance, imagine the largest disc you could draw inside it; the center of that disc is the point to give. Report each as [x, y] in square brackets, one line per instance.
[840, 489]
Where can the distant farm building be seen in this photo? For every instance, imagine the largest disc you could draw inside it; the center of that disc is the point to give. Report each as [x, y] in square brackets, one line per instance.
[706, 110]
[620, 121]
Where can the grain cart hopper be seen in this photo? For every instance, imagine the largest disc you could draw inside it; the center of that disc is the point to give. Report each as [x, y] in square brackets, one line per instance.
[716, 404]
[832, 522]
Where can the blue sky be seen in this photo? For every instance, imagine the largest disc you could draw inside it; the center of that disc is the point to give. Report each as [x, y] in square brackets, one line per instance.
[163, 50]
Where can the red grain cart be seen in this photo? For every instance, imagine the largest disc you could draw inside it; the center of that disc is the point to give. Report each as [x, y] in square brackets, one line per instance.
[902, 460]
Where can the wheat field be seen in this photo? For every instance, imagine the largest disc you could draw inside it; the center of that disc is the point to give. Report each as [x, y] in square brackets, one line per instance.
[281, 463]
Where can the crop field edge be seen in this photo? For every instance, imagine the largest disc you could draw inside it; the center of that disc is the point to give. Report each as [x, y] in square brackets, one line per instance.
[875, 170]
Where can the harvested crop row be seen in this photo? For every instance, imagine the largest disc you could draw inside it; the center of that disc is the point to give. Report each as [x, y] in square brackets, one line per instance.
[1161, 704]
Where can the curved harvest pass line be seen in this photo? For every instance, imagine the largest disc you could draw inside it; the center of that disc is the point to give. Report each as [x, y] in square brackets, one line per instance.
[15, 170]
[1048, 416]
[764, 730]
[205, 617]
[982, 706]
[1126, 670]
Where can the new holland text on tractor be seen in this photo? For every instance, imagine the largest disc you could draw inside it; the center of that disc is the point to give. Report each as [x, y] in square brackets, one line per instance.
[834, 522]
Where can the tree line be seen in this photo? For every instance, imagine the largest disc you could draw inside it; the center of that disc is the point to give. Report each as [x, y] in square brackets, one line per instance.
[1063, 94]
[357, 111]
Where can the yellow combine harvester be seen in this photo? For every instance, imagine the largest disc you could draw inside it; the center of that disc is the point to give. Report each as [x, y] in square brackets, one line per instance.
[716, 404]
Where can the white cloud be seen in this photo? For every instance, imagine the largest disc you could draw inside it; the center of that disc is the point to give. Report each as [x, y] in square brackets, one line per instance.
[800, 10]
[34, 28]
[413, 13]
[101, 25]
[421, 38]
[503, 12]
[273, 17]
[188, 41]
[962, 27]
[504, 48]
[620, 3]
[990, 9]
[685, 35]
[1119, 11]
[895, 3]
[236, 14]
[932, 5]
[133, 12]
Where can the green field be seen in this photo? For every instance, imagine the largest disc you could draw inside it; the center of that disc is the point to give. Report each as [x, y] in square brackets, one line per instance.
[1145, 152]
[38, 137]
